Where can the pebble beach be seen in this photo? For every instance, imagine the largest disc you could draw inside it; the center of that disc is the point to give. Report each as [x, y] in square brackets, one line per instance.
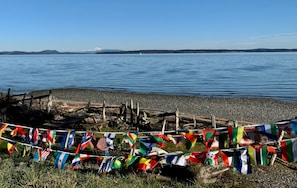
[256, 110]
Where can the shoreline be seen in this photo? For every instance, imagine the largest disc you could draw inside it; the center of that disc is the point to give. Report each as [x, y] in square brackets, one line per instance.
[257, 110]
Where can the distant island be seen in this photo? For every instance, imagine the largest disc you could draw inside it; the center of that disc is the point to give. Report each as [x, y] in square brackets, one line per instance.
[194, 51]
[107, 51]
[29, 53]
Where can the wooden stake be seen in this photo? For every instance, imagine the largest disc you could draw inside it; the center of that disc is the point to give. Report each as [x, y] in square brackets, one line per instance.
[8, 96]
[195, 123]
[137, 113]
[213, 121]
[23, 100]
[31, 101]
[40, 104]
[275, 155]
[126, 109]
[137, 109]
[163, 127]
[176, 120]
[103, 111]
[131, 115]
[131, 104]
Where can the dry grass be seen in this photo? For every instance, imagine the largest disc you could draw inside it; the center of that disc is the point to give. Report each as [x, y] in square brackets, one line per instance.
[16, 171]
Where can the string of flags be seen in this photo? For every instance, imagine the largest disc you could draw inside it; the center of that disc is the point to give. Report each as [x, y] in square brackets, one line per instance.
[236, 147]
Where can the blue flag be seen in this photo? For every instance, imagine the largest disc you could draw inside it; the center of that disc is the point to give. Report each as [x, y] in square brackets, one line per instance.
[61, 160]
[68, 140]
[242, 161]
[146, 145]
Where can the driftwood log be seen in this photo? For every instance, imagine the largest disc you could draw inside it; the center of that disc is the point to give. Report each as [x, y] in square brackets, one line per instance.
[45, 111]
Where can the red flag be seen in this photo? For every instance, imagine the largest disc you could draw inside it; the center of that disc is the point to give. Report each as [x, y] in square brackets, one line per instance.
[197, 157]
[208, 136]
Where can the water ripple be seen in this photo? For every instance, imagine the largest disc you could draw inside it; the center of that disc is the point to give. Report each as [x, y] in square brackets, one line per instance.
[224, 75]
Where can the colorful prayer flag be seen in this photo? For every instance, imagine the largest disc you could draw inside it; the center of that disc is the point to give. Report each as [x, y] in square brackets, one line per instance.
[143, 164]
[41, 155]
[61, 159]
[75, 162]
[33, 136]
[171, 138]
[106, 165]
[191, 139]
[131, 139]
[37, 156]
[159, 138]
[270, 130]
[235, 133]
[78, 158]
[176, 159]
[18, 131]
[289, 150]
[2, 129]
[11, 145]
[86, 139]
[146, 145]
[227, 158]
[153, 163]
[50, 137]
[242, 161]
[197, 157]
[212, 157]
[14, 132]
[118, 162]
[78, 149]
[258, 154]
[26, 150]
[68, 140]
[109, 139]
[84, 157]
[208, 136]
[130, 160]
[293, 126]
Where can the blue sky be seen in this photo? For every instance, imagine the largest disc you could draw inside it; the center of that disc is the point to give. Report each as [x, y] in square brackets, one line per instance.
[73, 25]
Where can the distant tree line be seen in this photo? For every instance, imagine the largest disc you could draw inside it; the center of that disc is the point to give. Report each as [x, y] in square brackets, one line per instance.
[195, 51]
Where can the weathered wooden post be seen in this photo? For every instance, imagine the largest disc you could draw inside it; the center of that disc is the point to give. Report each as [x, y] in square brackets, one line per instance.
[31, 101]
[49, 101]
[40, 104]
[131, 115]
[24, 97]
[194, 121]
[176, 120]
[163, 127]
[103, 111]
[8, 97]
[125, 113]
[213, 122]
[137, 113]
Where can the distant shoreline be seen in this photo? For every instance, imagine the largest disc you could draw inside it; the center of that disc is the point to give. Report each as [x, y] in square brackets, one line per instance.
[196, 51]
[47, 52]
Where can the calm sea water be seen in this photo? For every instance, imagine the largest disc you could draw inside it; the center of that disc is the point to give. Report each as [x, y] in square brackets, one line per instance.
[220, 75]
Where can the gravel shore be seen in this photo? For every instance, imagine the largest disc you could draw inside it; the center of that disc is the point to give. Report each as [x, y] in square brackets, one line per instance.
[257, 110]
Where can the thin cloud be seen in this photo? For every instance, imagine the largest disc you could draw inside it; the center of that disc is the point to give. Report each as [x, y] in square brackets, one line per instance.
[276, 35]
